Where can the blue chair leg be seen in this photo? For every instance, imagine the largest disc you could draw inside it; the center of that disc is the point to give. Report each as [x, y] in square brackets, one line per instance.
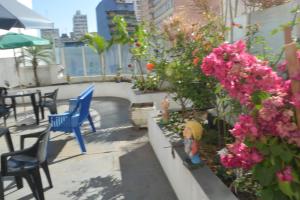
[79, 139]
[91, 123]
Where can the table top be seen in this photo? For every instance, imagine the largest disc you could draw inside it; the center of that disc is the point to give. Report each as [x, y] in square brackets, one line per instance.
[20, 93]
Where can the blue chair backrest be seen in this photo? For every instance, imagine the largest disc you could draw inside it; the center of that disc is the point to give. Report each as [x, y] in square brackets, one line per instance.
[85, 102]
[75, 103]
[90, 87]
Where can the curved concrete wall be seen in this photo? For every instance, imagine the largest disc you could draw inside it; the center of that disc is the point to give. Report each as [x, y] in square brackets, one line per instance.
[104, 89]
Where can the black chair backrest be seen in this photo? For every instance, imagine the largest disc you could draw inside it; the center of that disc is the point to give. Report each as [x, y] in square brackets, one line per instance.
[42, 145]
[3, 91]
[55, 94]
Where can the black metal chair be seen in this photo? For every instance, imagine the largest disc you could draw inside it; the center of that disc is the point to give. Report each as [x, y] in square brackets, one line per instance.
[44, 165]
[4, 107]
[48, 100]
[4, 112]
[26, 163]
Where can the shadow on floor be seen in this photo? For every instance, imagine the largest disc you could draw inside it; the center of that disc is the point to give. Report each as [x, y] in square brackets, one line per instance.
[141, 179]
[99, 187]
[126, 133]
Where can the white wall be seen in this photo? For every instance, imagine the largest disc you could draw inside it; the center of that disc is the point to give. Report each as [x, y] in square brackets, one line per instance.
[9, 53]
[47, 74]
[268, 20]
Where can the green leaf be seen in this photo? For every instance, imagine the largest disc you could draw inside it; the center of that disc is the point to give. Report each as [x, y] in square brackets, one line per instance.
[267, 194]
[286, 188]
[264, 175]
[274, 31]
[258, 96]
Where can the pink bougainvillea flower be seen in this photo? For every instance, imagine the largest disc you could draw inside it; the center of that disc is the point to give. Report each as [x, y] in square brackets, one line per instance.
[241, 156]
[282, 66]
[298, 55]
[295, 100]
[285, 174]
[295, 77]
[242, 75]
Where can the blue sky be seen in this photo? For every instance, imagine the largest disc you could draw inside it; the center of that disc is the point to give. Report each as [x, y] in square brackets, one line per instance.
[61, 12]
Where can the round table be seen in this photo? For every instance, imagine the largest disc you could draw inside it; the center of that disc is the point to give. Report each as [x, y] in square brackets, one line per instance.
[26, 93]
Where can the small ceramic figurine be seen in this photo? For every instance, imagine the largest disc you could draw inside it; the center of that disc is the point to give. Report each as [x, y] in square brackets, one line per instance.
[165, 110]
[192, 134]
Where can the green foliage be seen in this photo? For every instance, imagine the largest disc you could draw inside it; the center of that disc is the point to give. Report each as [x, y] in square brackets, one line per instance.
[150, 84]
[98, 44]
[120, 34]
[279, 154]
[36, 55]
[95, 42]
[246, 183]
[178, 61]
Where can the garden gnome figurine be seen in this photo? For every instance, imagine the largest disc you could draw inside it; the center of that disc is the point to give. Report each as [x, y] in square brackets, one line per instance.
[165, 110]
[192, 134]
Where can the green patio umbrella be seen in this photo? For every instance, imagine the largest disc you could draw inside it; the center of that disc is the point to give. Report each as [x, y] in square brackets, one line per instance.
[18, 40]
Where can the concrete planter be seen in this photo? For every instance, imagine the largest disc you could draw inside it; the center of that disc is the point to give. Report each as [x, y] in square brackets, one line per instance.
[188, 184]
[140, 113]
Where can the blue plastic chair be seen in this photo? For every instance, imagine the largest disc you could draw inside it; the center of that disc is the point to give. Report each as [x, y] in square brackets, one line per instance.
[78, 113]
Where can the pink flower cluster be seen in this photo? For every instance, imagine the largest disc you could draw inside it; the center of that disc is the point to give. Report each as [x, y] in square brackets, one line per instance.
[243, 75]
[285, 174]
[241, 156]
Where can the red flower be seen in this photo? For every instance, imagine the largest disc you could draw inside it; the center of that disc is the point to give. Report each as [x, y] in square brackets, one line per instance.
[236, 25]
[137, 44]
[150, 66]
[196, 61]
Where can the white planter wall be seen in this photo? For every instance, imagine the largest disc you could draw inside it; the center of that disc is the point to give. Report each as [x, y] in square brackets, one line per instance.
[105, 89]
[198, 184]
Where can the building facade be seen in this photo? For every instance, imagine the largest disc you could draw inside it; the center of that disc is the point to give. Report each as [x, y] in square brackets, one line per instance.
[105, 12]
[157, 11]
[52, 35]
[80, 25]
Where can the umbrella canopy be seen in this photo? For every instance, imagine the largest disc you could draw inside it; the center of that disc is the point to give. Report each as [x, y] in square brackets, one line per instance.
[15, 14]
[17, 40]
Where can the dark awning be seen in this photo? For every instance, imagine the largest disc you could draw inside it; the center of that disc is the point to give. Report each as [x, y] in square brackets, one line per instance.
[15, 14]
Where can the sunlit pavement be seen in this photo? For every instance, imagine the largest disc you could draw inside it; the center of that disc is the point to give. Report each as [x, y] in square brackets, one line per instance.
[119, 163]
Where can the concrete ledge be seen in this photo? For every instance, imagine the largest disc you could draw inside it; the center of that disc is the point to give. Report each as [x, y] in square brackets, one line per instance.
[105, 89]
[187, 184]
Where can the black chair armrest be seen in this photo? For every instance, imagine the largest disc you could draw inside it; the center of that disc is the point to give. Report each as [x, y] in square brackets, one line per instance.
[49, 95]
[4, 157]
[30, 135]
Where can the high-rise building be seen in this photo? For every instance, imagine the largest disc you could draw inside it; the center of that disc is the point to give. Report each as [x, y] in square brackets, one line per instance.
[159, 10]
[138, 9]
[52, 35]
[80, 25]
[107, 9]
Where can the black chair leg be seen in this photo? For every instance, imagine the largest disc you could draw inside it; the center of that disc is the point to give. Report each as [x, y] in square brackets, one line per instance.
[53, 109]
[38, 183]
[13, 102]
[31, 184]
[1, 189]
[46, 170]
[19, 182]
[43, 112]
